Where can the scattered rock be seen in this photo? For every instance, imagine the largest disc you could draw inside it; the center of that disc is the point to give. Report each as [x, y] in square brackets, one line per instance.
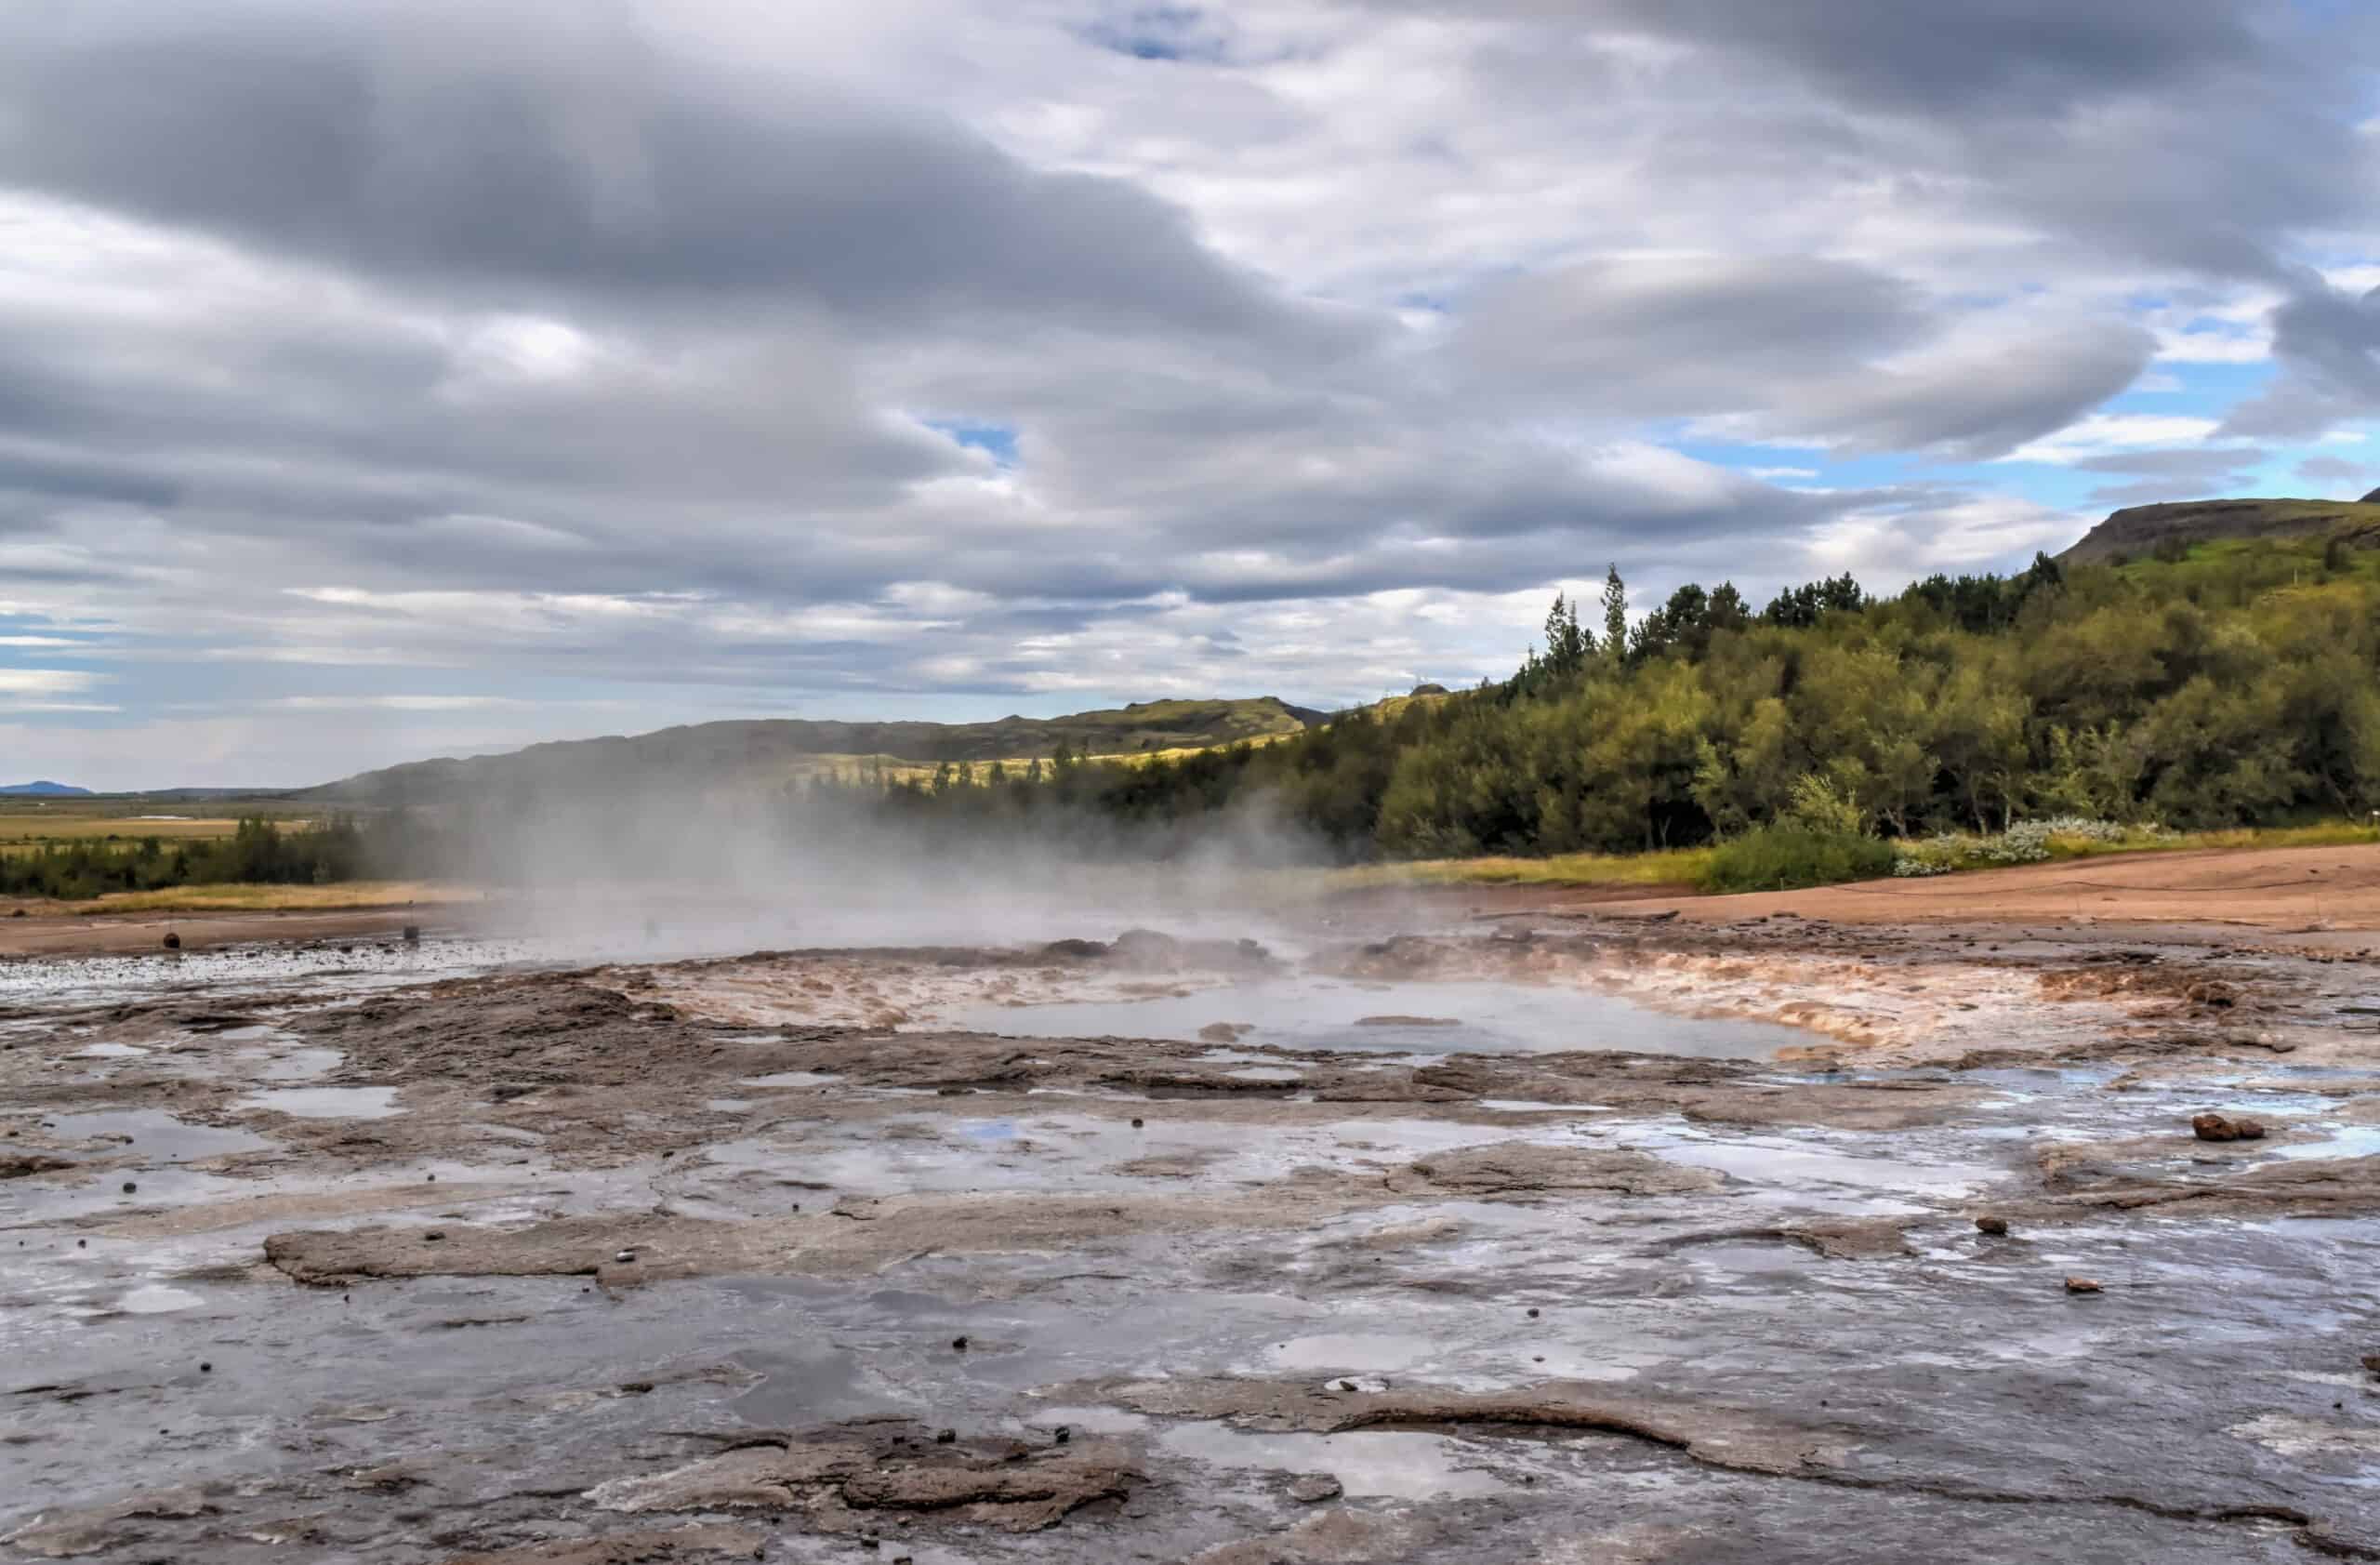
[173, 941]
[1310, 1489]
[2082, 1285]
[648, 1546]
[59, 1534]
[1997, 1228]
[2211, 993]
[875, 1468]
[1520, 1169]
[16, 1165]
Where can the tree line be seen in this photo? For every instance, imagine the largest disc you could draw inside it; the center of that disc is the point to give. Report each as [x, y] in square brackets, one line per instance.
[259, 851]
[2225, 685]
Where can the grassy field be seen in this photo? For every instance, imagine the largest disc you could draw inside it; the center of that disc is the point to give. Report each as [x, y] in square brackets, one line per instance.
[347, 896]
[30, 822]
[1678, 867]
[1685, 867]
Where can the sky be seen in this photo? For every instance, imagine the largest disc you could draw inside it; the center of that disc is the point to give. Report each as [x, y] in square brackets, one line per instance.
[379, 381]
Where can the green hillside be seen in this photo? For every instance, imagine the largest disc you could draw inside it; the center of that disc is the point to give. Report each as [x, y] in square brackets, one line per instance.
[714, 754]
[2143, 530]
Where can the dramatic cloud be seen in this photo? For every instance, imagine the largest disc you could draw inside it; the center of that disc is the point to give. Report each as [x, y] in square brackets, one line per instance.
[378, 379]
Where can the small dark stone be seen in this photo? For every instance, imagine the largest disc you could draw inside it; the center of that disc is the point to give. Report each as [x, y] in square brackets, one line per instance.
[945, 1436]
[959, 1343]
[173, 941]
[1064, 1434]
[431, 1180]
[1136, 1124]
[1996, 1226]
[129, 1187]
[205, 1368]
[81, 1242]
[433, 1236]
[1532, 1314]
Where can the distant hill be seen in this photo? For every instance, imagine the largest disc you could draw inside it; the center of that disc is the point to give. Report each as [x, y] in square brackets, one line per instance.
[2137, 530]
[713, 753]
[43, 791]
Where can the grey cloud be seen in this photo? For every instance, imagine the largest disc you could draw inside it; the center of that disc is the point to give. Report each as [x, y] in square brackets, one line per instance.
[1660, 337]
[2328, 345]
[2188, 462]
[1826, 351]
[2002, 56]
[540, 151]
[2194, 472]
[2334, 468]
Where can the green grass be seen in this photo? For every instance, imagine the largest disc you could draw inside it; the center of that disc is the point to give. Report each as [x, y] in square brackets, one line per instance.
[1785, 858]
[2328, 834]
[1671, 867]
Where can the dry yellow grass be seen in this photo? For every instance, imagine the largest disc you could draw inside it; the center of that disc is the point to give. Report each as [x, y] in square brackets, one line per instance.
[25, 830]
[347, 896]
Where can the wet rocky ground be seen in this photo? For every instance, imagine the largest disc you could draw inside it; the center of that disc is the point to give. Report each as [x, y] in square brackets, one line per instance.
[1615, 1242]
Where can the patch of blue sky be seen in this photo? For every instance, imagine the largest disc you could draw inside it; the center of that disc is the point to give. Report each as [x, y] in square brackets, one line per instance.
[997, 441]
[1158, 33]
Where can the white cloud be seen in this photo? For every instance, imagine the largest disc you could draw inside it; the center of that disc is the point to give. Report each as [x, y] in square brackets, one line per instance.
[2102, 433]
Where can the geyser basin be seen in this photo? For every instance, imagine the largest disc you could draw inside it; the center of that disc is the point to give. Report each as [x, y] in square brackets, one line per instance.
[1403, 1019]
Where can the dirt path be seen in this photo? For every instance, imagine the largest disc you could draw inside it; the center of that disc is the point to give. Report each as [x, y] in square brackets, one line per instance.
[2268, 888]
[113, 934]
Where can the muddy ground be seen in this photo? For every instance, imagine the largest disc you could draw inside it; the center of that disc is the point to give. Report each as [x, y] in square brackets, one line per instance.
[1608, 1239]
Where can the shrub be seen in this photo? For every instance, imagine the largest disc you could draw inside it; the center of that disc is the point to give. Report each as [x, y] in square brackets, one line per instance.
[1779, 857]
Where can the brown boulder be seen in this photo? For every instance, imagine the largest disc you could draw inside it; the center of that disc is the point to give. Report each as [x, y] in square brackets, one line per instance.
[2216, 1127]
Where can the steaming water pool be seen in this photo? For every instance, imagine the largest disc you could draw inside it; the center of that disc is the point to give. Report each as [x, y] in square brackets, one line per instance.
[1432, 1018]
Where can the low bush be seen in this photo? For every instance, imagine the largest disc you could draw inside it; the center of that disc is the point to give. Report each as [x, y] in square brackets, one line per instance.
[1783, 857]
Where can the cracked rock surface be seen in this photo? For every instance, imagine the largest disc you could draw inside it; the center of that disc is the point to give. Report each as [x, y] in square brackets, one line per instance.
[1621, 1243]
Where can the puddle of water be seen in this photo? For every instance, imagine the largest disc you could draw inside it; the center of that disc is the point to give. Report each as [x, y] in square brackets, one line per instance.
[297, 1065]
[109, 1052]
[1752, 1258]
[324, 1102]
[1304, 1013]
[1361, 1352]
[788, 1079]
[1365, 1462]
[154, 1134]
[1805, 1162]
[2347, 1141]
[1266, 1073]
[158, 1299]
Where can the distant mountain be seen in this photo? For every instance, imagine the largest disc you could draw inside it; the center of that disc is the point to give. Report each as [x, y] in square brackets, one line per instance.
[2137, 530]
[43, 791]
[784, 748]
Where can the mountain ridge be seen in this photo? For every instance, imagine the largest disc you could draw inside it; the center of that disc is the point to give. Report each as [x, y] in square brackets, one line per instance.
[709, 753]
[2141, 529]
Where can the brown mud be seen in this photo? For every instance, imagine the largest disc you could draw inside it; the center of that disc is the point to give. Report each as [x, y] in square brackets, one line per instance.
[1530, 1242]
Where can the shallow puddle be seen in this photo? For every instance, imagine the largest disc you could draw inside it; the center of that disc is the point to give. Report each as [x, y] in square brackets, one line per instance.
[1365, 1462]
[1426, 1017]
[324, 1102]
